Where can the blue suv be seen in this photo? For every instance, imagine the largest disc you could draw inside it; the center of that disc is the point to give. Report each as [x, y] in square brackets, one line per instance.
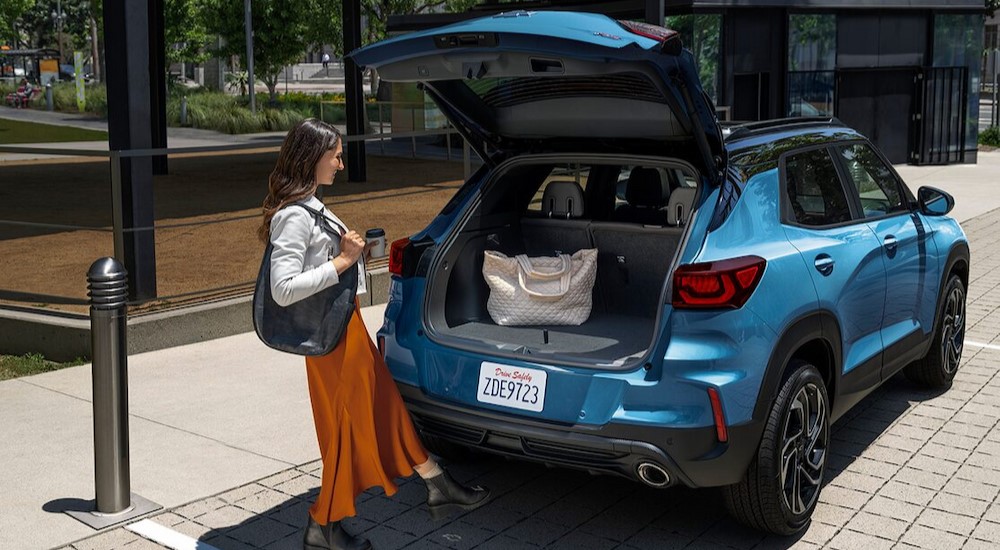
[753, 283]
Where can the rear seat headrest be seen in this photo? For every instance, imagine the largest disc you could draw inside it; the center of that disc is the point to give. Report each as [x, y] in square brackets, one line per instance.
[679, 208]
[646, 188]
[563, 199]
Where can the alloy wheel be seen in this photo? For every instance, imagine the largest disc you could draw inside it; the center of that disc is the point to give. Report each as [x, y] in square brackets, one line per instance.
[803, 449]
[953, 333]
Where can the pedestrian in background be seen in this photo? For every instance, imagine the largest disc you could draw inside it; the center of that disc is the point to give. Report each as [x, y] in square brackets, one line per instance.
[365, 434]
[326, 63]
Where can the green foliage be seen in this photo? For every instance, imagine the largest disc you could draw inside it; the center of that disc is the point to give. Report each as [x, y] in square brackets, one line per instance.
[10, 12]
[281, 31]
[228, 114]
[14, 366]
[990, 136]
[185, 31]
[64, 98]
[700, 34]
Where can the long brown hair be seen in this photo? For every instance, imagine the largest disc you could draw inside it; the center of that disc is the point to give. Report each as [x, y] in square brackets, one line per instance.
[294, 175]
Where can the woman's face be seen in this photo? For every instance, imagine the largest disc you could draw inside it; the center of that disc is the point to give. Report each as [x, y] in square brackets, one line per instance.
[329, 164]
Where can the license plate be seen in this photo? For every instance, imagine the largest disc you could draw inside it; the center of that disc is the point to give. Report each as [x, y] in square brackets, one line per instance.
[509, 386]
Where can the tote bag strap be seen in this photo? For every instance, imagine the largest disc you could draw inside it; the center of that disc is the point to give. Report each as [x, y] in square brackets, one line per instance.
[527, 270]
[322, 220]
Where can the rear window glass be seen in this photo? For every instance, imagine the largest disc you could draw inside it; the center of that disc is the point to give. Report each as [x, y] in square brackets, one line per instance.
[813, 189]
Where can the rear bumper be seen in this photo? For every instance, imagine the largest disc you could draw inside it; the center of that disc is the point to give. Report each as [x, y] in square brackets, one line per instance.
[691, 456]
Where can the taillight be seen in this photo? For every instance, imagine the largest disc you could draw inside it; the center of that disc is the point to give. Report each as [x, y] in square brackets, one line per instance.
[654, 32]
[717, 415]
[721, 284]
[397, 254]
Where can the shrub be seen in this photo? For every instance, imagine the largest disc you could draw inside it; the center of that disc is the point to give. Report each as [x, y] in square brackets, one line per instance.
[990, 136]
[228, 114]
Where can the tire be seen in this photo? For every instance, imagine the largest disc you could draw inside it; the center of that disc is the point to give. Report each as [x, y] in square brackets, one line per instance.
[451, 452]
[777, 499]
[937, 369]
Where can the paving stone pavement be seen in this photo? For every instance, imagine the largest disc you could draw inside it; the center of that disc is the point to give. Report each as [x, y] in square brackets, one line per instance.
[909, 468]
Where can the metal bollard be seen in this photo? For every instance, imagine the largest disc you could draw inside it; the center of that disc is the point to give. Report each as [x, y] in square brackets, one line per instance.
[107, 287]
[49, 105]
[184, 111]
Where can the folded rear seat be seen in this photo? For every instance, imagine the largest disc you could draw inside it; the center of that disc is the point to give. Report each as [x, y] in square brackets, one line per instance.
[560, 230]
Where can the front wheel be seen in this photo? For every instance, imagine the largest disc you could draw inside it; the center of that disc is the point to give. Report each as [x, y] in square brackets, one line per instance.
[937, 369]
[781, 487]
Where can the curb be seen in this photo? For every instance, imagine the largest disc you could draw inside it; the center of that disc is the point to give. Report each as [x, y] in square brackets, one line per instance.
[61, 337]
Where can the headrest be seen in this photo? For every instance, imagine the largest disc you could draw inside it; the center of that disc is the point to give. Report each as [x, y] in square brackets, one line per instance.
[679, 208]
[645, 188]
[563, 199]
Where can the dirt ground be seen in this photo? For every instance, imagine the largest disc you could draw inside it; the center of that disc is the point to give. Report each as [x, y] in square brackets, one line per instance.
[46, 268]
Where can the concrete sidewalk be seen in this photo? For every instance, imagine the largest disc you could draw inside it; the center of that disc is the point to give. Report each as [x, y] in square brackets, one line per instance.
[203, 418]
[229, 419]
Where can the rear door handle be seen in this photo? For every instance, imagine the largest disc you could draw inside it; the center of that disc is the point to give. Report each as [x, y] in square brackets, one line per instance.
[824, 264]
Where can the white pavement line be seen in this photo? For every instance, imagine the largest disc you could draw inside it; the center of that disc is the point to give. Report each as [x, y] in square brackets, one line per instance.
[166, 536]
[982, 345]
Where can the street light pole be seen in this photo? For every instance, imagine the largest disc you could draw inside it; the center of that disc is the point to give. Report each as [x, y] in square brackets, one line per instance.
[248, 23]
[57, 17]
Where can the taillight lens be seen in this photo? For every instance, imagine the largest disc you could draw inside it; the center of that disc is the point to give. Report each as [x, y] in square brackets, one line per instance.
[397, 254]
[721, 284]
[654, 32]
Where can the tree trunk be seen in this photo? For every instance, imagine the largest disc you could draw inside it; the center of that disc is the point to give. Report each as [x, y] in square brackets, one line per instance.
[95, 52]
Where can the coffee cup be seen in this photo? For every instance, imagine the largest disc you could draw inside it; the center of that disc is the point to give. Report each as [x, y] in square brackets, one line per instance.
[376, 235]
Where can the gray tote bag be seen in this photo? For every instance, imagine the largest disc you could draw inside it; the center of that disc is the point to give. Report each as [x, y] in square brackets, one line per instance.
[313, 325]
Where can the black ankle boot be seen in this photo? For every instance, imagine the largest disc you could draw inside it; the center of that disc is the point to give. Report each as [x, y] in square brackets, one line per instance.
[445, 495]
[332, 536]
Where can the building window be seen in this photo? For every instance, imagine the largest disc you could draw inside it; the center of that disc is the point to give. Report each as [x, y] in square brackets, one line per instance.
[701, 33]
[958, 42]
[812, 54]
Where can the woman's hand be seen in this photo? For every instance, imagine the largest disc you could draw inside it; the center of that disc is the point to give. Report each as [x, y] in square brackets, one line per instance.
[352, 245]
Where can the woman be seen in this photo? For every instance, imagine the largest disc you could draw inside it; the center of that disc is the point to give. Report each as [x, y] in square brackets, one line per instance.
[365, 435]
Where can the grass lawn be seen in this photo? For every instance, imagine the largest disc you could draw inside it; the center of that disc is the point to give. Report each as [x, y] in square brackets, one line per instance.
[16, 131]
[15, 366]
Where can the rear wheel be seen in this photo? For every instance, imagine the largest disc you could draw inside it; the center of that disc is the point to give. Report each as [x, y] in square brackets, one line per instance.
[937, 369]
[781, 487]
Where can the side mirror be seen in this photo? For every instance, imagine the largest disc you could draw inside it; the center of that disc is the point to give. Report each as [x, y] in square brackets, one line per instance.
[934, 202]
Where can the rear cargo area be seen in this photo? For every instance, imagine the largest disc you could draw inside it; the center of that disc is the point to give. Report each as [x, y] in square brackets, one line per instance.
[634, 262]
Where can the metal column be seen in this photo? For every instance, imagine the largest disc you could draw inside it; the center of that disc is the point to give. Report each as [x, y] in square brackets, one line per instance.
[126, 32]
[357, 170]
[157, 84]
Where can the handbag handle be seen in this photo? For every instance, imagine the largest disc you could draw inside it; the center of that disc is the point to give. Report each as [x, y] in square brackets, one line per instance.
[527, 269]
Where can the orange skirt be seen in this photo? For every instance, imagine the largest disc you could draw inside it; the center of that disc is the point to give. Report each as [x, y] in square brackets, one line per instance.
[366, 437]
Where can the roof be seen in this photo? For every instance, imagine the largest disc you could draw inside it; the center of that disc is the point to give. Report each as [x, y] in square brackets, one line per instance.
[757, 146]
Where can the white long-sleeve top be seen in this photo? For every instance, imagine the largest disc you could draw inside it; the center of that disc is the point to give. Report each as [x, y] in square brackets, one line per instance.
[301, 254]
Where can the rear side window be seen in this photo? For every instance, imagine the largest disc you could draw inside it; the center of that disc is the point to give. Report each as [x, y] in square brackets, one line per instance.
[813, 189]
[878, 189]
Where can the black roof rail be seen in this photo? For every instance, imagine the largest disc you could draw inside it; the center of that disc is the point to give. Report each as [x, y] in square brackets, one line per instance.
[748, 128]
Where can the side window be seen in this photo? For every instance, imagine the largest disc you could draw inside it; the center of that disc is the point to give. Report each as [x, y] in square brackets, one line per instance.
[813, 188]
[878, 189]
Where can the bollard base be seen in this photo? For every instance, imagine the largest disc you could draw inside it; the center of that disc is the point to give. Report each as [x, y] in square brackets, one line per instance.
[97, 520]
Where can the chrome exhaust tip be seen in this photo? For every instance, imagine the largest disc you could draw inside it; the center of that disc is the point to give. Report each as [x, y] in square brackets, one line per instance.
[653, 474]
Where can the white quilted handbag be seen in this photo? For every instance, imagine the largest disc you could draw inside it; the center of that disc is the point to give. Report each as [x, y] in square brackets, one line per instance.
[548, 290]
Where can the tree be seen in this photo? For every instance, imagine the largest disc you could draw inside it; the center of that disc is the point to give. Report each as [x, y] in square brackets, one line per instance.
[281, 32]
[992, 6]
[10, 12]
[184, 30]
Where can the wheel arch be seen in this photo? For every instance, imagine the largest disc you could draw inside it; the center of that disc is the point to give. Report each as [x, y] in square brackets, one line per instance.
[815, 338]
